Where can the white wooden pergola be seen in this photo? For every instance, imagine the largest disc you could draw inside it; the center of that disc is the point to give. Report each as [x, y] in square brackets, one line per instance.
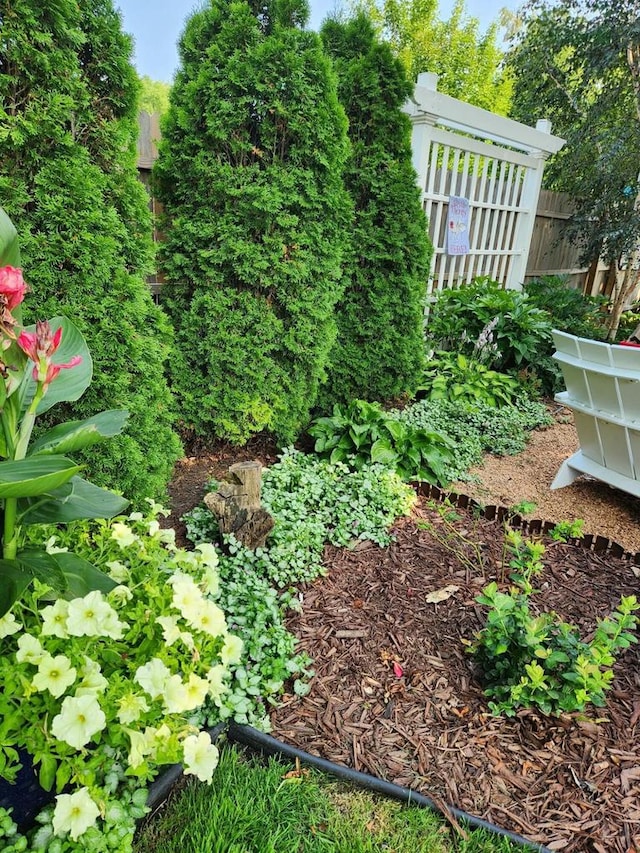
[493, 162]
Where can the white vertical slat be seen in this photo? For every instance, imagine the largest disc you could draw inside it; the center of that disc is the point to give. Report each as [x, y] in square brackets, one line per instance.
[489, 196]
[505, 195]
[476, 195]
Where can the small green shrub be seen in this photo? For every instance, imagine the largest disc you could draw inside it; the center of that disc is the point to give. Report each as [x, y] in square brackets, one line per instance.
[453, 376]
[570, 310]
[363, 434]
[540, 661]
[565, 530]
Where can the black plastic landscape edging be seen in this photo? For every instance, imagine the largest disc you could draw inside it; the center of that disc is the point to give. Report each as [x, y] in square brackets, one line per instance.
[256, 740]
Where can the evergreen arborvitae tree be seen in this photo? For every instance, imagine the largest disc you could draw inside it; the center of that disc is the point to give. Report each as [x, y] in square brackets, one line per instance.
[68, 180]
[379, 351]
[257, 218]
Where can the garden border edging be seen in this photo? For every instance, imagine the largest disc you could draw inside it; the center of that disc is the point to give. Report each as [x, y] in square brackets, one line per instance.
[494, 512]
[248, 736]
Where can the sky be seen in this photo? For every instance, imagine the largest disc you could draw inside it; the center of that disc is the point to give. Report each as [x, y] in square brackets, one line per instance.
[156, 26]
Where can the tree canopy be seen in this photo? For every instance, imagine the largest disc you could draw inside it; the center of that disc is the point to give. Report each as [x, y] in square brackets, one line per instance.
[154, 95]
[467, 61]
[578, 63]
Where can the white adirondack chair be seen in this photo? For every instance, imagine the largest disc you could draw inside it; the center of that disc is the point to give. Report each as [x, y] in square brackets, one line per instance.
[603, 391]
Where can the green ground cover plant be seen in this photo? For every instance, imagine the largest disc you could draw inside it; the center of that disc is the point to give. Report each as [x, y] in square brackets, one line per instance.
[379, 349]
[313, 501]
[538, 660]
[268, 806]
[475, 429]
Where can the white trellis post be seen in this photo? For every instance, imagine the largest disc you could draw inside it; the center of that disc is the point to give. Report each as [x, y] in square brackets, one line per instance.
[496, 164]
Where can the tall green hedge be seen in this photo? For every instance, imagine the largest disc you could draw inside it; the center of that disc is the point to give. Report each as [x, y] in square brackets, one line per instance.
[68, 180]
[257, 218]
[379, 351]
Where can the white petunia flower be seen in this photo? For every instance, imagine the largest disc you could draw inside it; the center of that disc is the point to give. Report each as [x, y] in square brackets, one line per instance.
[123, 534]
[209, 554]
[231, 651]
[215, 679]
[186, 596]
[54, 674]
[135, 516]
[153, 527]
[30, 650]
[200, 756]
[120, 594]
[54, 619]
[130, 707]
[80, 718]
[52, 548]
[9, 625]
[206, 617]
[156, 508]
[152, 677]
[118, 571]
[93, 616]
[93, 681]
[74, 813]
[174, 695]
[170, 629]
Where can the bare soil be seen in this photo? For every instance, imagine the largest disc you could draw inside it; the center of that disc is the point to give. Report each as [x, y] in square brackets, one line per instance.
[571, 783]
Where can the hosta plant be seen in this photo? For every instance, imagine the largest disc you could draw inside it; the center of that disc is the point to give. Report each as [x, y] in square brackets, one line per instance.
[363, 434]
[460, 378]
[40, 366]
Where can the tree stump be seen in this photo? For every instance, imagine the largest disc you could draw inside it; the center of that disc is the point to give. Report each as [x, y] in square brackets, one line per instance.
[236, 505]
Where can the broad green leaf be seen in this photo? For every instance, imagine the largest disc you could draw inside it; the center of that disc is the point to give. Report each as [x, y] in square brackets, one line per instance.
[14, 579]
[69, 384]
[9, 247]
[44, 567]
[47, 772]
[76, 435]
[81, 576]
[26, 478]
[396, 429]
[383, 453]
[76, 499]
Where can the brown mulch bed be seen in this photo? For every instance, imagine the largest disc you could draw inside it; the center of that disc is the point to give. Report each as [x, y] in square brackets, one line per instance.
[571, 783]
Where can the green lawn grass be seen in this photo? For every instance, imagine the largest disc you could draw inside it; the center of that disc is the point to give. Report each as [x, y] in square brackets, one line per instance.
[257, 806]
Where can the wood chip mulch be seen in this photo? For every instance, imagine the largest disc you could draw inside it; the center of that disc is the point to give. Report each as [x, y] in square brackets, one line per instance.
[571, 783]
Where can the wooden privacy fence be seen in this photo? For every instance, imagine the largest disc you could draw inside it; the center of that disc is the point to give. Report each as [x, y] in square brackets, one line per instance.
[496, 189]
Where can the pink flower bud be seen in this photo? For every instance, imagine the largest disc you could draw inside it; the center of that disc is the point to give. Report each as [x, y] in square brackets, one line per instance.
[12, 286]
[397, 669]
[40, 347]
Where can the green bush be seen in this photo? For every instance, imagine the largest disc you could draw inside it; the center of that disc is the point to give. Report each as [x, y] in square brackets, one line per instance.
[451, 376]
[520, 333]
[363, 433]
[570, 310]
[540, 661]
[378, 353]
[69, 182]
[256, 218]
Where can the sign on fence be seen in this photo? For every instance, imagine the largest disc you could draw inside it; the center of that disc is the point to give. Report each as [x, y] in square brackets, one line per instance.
[458, 229]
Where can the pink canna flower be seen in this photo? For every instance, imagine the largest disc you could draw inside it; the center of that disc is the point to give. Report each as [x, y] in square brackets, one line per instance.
[12, 286]
[40, 347]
